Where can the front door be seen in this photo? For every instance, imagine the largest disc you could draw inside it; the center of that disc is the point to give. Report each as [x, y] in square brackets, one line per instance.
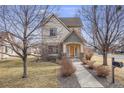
[71, 51]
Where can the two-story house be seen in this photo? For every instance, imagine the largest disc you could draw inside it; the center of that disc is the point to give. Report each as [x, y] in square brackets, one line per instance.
[62, 36]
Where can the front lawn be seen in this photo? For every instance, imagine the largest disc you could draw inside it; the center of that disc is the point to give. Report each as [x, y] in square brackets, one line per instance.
[41, 74]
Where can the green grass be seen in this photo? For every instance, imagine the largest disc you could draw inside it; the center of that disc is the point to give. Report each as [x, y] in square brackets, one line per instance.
[42, 74]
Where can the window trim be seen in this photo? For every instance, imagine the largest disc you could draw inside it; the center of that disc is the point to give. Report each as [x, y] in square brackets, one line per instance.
[51, 34]
[6, 49]
[54, 48]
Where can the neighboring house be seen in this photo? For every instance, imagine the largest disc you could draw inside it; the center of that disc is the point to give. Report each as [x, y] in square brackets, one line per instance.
[62, 36]
[5, 49]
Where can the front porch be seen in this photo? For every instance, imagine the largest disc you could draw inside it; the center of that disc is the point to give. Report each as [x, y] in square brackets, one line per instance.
[73, 49]
[73, 45]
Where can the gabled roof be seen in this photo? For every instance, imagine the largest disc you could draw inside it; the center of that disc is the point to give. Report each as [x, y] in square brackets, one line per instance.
[6, 36]
[3, 36]
[68, 22]
[47, 20]
[78, 35]
[72, 21]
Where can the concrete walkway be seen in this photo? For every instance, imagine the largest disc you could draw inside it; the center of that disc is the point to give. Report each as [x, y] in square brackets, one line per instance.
[85, 79]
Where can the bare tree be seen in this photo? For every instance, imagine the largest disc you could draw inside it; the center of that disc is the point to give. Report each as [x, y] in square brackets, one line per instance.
[23, 23]
[103, 26]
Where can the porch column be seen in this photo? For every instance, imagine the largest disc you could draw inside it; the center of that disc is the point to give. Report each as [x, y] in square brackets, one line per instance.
[81, 53]
[82, 50]
[64, 48]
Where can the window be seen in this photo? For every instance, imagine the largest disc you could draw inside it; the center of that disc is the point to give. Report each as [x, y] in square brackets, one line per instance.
[53, 49]
[53, 31]
[6, 49]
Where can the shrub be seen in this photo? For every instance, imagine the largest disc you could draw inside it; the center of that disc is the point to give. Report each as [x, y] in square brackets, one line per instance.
[88, 53]
[91, 64]
[102, 71]
[67, 67]
[84, 62]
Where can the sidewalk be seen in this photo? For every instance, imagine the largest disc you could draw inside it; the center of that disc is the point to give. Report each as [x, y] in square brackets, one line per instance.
[85, 79]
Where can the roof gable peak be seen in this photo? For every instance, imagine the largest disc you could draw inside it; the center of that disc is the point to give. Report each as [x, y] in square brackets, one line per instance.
[53, 15]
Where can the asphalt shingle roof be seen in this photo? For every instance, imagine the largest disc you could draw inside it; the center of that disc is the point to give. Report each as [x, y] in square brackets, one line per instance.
[71, 22]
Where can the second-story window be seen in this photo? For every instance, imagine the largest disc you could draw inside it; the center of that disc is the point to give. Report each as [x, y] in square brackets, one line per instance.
[53, 31]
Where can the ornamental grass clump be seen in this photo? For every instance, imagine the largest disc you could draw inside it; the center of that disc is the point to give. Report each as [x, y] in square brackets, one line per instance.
[67, 68]
[88, 53]
[102, 71]
[91, 64]
[84, 62]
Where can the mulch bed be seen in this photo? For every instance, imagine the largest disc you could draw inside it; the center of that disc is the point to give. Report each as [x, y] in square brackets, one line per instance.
[106, 82]
[69, 82]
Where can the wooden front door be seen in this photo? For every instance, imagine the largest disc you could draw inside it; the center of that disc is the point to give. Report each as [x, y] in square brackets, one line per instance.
[71, 51]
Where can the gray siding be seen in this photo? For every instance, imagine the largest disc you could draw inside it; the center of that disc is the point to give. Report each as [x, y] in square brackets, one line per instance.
[73, 38]
[61, 31]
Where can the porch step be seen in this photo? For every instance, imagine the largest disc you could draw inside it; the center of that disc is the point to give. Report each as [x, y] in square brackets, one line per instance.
[76, 60]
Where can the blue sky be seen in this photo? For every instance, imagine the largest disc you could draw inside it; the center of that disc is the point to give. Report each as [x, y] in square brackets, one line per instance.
[68, 10]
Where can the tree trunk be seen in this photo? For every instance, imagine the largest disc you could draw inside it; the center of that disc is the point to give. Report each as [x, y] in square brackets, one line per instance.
[105, 58]
[24, 67]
